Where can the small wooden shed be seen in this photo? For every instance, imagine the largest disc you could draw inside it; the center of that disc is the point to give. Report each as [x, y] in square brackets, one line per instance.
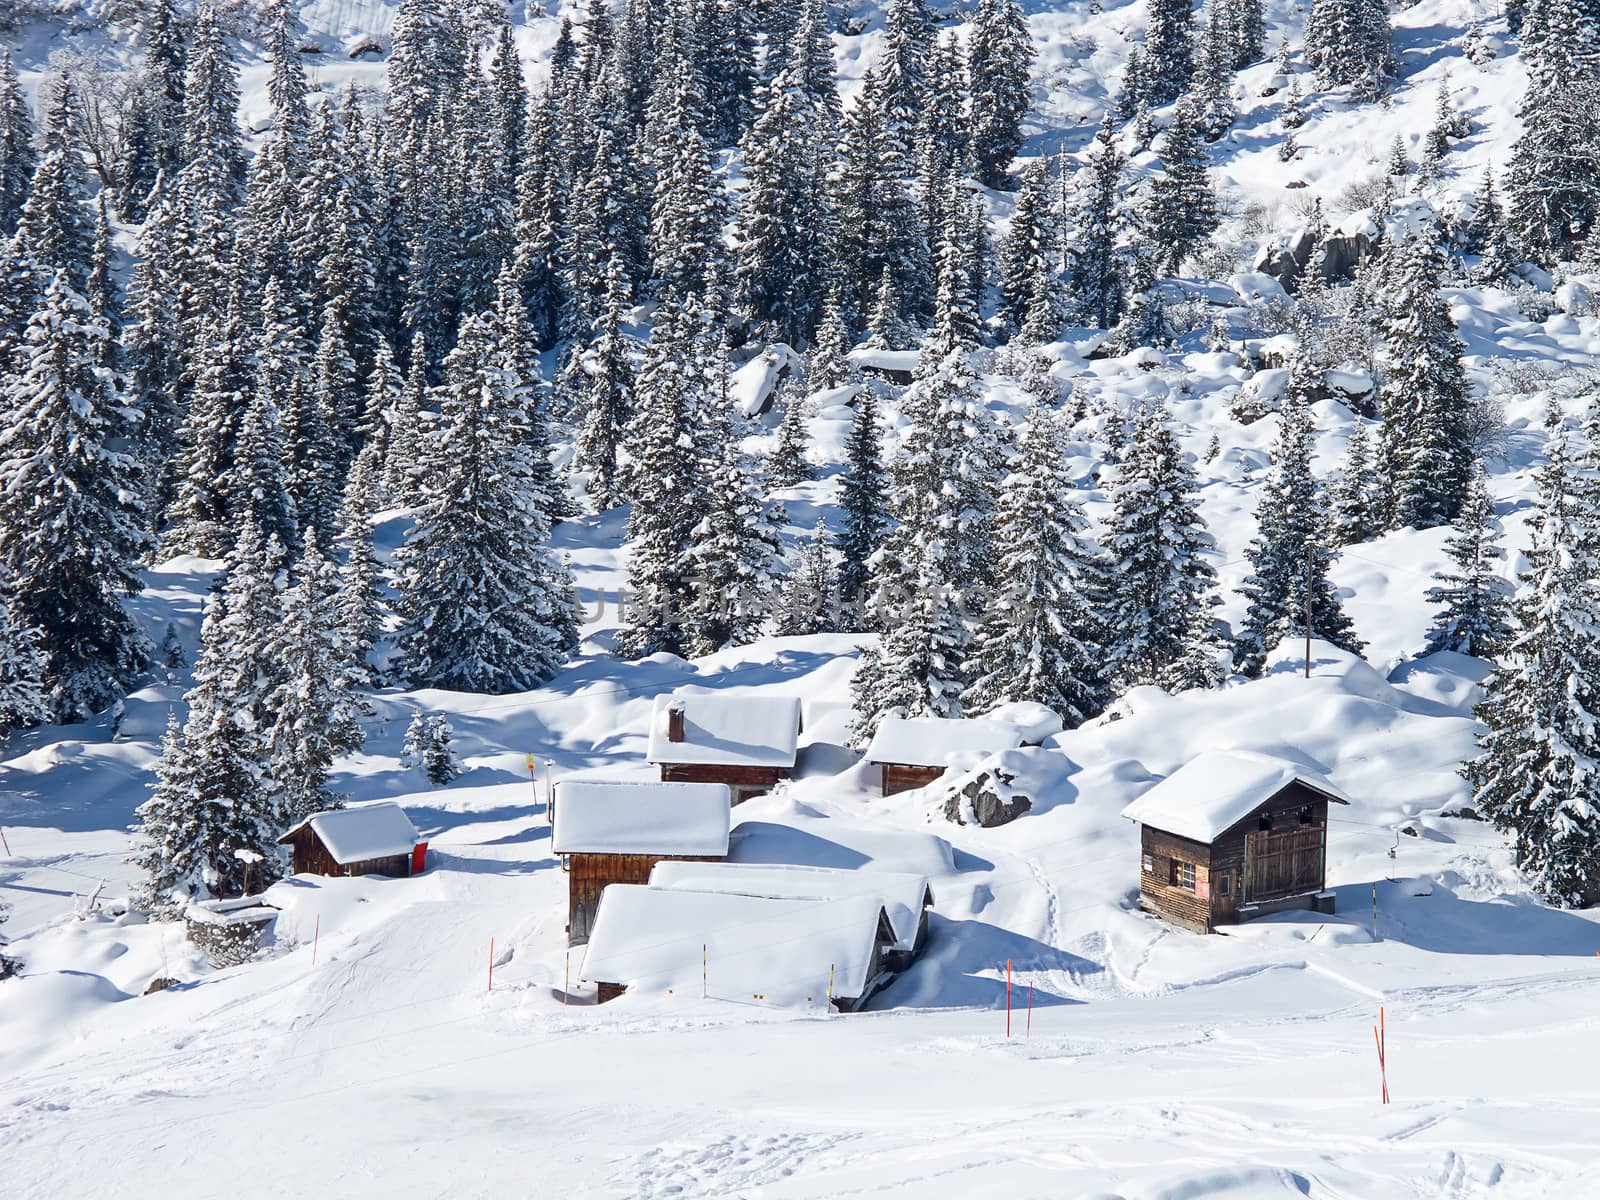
[1231, 835]
[746, 742]
[373, 839]
[748, 949]
[911, 752]
[906, 898]
[610, 832]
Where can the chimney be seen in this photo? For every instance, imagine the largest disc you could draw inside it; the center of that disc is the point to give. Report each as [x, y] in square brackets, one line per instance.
[675, 722]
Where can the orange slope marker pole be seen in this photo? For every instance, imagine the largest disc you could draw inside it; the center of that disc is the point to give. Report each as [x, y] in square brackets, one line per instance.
[491, 964]
[1008, 997]
[316, 937]
[1380, 1035]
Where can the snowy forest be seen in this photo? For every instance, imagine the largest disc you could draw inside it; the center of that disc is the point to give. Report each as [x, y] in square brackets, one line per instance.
[401, 400]
[496, 307]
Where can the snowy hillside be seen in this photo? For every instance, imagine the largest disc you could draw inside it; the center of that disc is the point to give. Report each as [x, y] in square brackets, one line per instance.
[434, 1034]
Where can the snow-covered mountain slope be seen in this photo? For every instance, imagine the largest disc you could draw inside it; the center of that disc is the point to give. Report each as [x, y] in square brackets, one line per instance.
[365, 1051]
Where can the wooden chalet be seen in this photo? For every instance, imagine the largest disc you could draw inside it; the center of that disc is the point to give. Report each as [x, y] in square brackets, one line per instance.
[1233, 835]
[747, 949]
[905, 897]
[745, 742]
[373, 839]
[609, 832]
[911, 752]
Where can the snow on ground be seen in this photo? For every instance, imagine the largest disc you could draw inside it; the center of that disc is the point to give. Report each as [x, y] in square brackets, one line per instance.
[364, 1050]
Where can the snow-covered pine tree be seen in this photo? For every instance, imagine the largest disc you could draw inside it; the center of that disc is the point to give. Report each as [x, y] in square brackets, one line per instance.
[56, 228]
[732, 561]
[1033, 248]
[862, 503]
[1473, 601]
[880, 225]
[1246, 30]
[260, 495]
[829, 365]
[668, 481]
[1211, 89]
[1294, 113]
[788, 465]
[999, 57]
[1426, 452]
[887, 329]
[1157, 580]
[22, 663]
[1551, 184]
[1093, 267]
[72, 524]
[152, 129]
[404, 465]
[691, 204]
[17, 157]
[783, 259]
[1182, 209]
[1168, 49]
[605, 385]
[1037, 640]
[1535, 776]
[810, 602]
[428, 748]
[1357, 503]
[311, 700]
[1350, 42]
[479, 591]
[1291, 554]
[360, 602]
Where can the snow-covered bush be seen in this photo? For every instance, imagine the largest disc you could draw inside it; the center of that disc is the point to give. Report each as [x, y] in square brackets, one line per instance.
[428, 747]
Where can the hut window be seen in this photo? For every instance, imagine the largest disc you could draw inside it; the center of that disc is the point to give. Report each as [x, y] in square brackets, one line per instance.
[1305, 814]
[1149, 864]
[1223, 882]
[1264, 822]
[1182, 875]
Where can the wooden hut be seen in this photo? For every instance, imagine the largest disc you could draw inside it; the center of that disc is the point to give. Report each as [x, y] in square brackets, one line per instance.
[373, 839]
[746, 742]
[748, 949]
[905, 897]
[1233, 835]
[609, 832]
[911, 752]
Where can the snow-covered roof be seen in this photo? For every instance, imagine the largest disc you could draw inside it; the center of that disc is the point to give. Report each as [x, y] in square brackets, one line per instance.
[885, 360]
[780, 951]
[1217, 789]
[738, 730]
[826, 842]
[902, 895]
[934, 741]
[354, 835]
[601, 816]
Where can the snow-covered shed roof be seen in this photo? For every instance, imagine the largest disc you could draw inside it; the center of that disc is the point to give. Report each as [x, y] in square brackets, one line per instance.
[737, 730]
[934, 741]
[1217, 789]
[603, 816]
[354, 835]
[781, 951]
[902, 895]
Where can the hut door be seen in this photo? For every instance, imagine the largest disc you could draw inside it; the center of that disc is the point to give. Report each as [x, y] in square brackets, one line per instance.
[1283, 864]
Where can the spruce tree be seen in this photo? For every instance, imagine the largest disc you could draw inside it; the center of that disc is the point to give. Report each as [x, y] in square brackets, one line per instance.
[1037, 642]
[829, 365]
[1032, 250]
[788, 466]
[861, 501]
[999, 56]
[1350, 42]
[479, 592]
[810, 602]
[605, 386]
[1426, 453]
[1157, 580]
[1182, 209]
[1290, 556]
[1357, 505]
[1472, 600]
[732, 561]
[17, 157]
[22, 663]
[1168, 49]
[152, 131]
[56, 228]
[1535, 775]
[1093, 267]
[72, 526]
